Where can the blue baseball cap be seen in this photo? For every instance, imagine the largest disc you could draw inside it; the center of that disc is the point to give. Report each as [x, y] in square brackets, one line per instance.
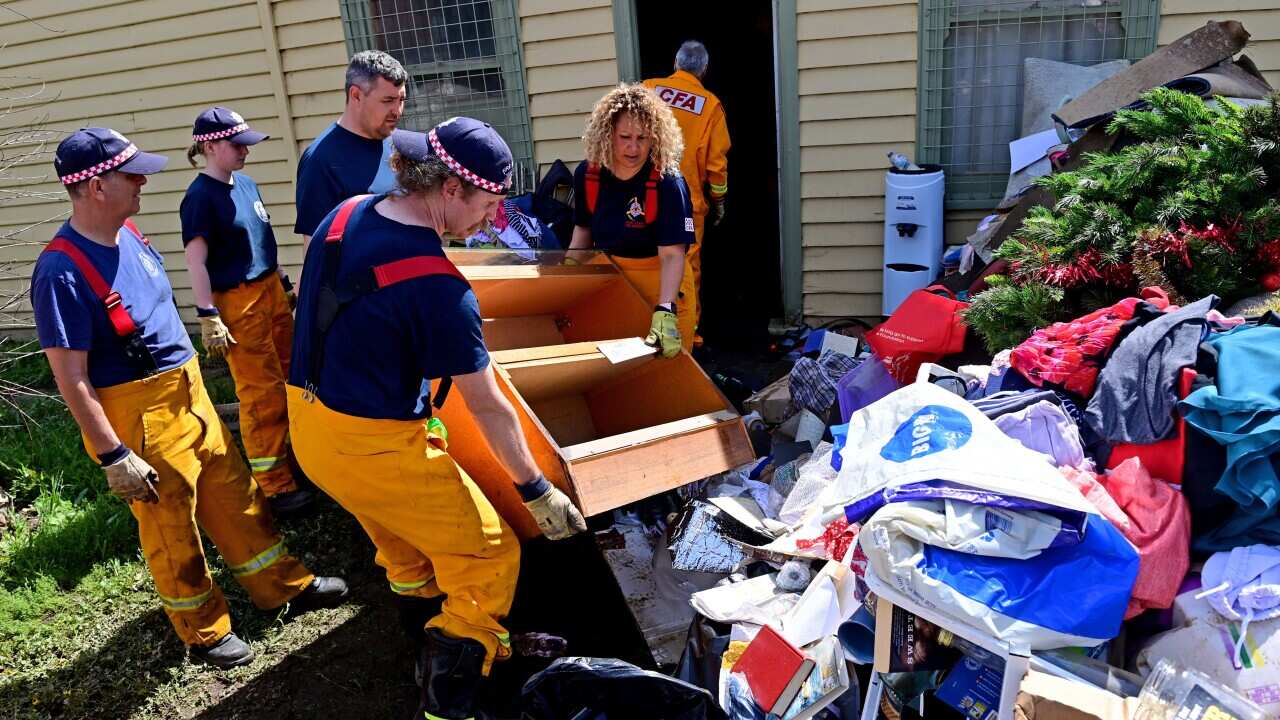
[219, 123]
[89, 152]
[472, 149]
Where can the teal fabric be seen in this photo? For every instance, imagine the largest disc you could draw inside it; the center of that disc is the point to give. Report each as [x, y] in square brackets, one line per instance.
[1242, 413]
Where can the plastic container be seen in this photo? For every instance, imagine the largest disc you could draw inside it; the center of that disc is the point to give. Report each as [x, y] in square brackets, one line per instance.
[1172, 693]
[913, 204]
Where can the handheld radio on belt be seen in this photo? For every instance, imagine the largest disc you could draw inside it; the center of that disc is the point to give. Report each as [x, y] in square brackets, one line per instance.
[126, 329]
[333, 296]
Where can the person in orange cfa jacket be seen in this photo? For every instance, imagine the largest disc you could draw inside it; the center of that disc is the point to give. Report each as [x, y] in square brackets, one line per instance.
[706, 144]
[124, 363]
[382, 312]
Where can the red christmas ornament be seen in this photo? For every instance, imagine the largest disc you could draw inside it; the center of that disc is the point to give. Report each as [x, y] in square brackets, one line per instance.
[1271, 282]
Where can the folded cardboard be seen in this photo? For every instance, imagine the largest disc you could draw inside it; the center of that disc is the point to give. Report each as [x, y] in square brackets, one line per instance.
[1048, 697]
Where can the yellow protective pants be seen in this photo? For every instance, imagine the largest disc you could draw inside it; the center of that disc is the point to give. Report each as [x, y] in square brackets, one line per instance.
[258, 316]
[169, 421]
[645, 274]
[434, 529]
[694, 253]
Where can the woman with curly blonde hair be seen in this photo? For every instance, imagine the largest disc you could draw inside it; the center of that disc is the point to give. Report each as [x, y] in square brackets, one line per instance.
[631, 202]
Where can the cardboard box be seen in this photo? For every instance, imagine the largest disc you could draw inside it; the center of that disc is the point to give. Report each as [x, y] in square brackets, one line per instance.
[607, 420]
[773, 402]
[1048, 697]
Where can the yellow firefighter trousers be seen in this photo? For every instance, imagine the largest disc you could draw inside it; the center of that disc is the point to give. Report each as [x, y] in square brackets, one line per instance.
[169, 421]
[258, 316]
[645, 274]
[434, 529]
[695, 267]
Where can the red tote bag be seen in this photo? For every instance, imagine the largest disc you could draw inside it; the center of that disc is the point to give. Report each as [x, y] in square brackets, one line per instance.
[925, 327]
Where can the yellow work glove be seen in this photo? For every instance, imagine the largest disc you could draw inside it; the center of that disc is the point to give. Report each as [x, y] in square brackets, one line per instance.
[554, 512]
[131, 478]
[215, 335]
[664, 333]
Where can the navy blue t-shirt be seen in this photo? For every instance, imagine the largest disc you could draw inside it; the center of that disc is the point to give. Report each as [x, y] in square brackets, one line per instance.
[618, 226]
[234, 224]
[337, 165]
[384, 347]
[69, 314]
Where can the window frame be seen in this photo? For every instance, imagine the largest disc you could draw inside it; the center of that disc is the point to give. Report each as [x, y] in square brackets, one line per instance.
[1140, 19]
[358, 33]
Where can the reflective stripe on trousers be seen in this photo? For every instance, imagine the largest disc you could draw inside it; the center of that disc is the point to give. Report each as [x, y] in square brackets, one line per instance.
[258, 316]
[170, 422]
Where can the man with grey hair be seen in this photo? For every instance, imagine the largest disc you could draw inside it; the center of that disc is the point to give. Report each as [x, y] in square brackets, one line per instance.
[706, 144]
[350, 157]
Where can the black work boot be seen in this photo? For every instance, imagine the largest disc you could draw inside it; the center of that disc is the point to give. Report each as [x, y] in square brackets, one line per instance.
[228, 652]
[323, 592]
[453, 677]
[414, 613]
[292, 505]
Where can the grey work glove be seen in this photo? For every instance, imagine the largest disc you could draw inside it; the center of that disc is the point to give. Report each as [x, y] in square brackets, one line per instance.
[131, 478]
[554, 512]
[215, 335]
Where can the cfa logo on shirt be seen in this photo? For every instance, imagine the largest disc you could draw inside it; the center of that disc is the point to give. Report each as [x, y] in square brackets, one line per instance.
[148, 264]
[681, 100]
[261, 210]
[635, 211]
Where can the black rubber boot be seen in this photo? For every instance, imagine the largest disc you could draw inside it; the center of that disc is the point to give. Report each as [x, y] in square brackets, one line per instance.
[230, 651]
[453, 677]
[414, 614]
[323, 592]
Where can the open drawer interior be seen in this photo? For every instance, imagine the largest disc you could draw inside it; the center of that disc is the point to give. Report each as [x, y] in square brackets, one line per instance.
[541, 306]
[591, 405]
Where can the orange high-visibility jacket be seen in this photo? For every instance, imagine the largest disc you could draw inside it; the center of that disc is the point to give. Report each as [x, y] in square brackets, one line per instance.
[706, 136]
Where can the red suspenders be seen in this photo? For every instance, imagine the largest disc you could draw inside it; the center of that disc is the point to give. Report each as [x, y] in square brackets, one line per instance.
[333, 297]
[126, 329]
[650, 191]
[111, 300]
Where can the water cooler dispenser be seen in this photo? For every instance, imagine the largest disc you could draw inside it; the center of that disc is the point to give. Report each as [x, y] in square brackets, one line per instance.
[912, 232]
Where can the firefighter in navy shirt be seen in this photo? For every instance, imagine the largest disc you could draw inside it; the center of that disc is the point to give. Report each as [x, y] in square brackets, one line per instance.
[125, 366]
[381, 313]
[631, 202]
[350, 157]
[241, 296]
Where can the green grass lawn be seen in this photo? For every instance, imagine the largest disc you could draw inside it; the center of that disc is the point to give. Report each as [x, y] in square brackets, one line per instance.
[81, 632]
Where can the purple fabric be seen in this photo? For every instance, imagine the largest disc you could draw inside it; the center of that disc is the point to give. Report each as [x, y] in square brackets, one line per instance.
[1045, 428]
[864, 385]
[1073, 521]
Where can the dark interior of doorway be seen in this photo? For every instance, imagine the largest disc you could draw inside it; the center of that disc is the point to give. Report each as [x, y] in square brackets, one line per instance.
[741, 286]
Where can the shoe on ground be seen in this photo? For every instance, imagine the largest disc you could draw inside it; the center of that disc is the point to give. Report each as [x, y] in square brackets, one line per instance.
[230, 651]
[292, 504]
[323, 592]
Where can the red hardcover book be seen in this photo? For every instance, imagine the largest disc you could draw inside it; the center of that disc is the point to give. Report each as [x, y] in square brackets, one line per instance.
[775, 670]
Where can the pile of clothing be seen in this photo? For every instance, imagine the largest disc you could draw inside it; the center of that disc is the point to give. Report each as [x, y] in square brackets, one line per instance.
[1110, 485]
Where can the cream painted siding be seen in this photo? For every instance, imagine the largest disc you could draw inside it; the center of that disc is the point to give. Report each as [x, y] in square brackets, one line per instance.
[857, 61]
[570, 62]
[858, 76]
[146, 68]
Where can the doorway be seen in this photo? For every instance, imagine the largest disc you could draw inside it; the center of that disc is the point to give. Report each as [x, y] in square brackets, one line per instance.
[741, 266]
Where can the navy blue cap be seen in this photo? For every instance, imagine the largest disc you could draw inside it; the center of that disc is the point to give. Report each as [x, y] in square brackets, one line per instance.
[219, 123]
[472, 149]
[92, 151]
